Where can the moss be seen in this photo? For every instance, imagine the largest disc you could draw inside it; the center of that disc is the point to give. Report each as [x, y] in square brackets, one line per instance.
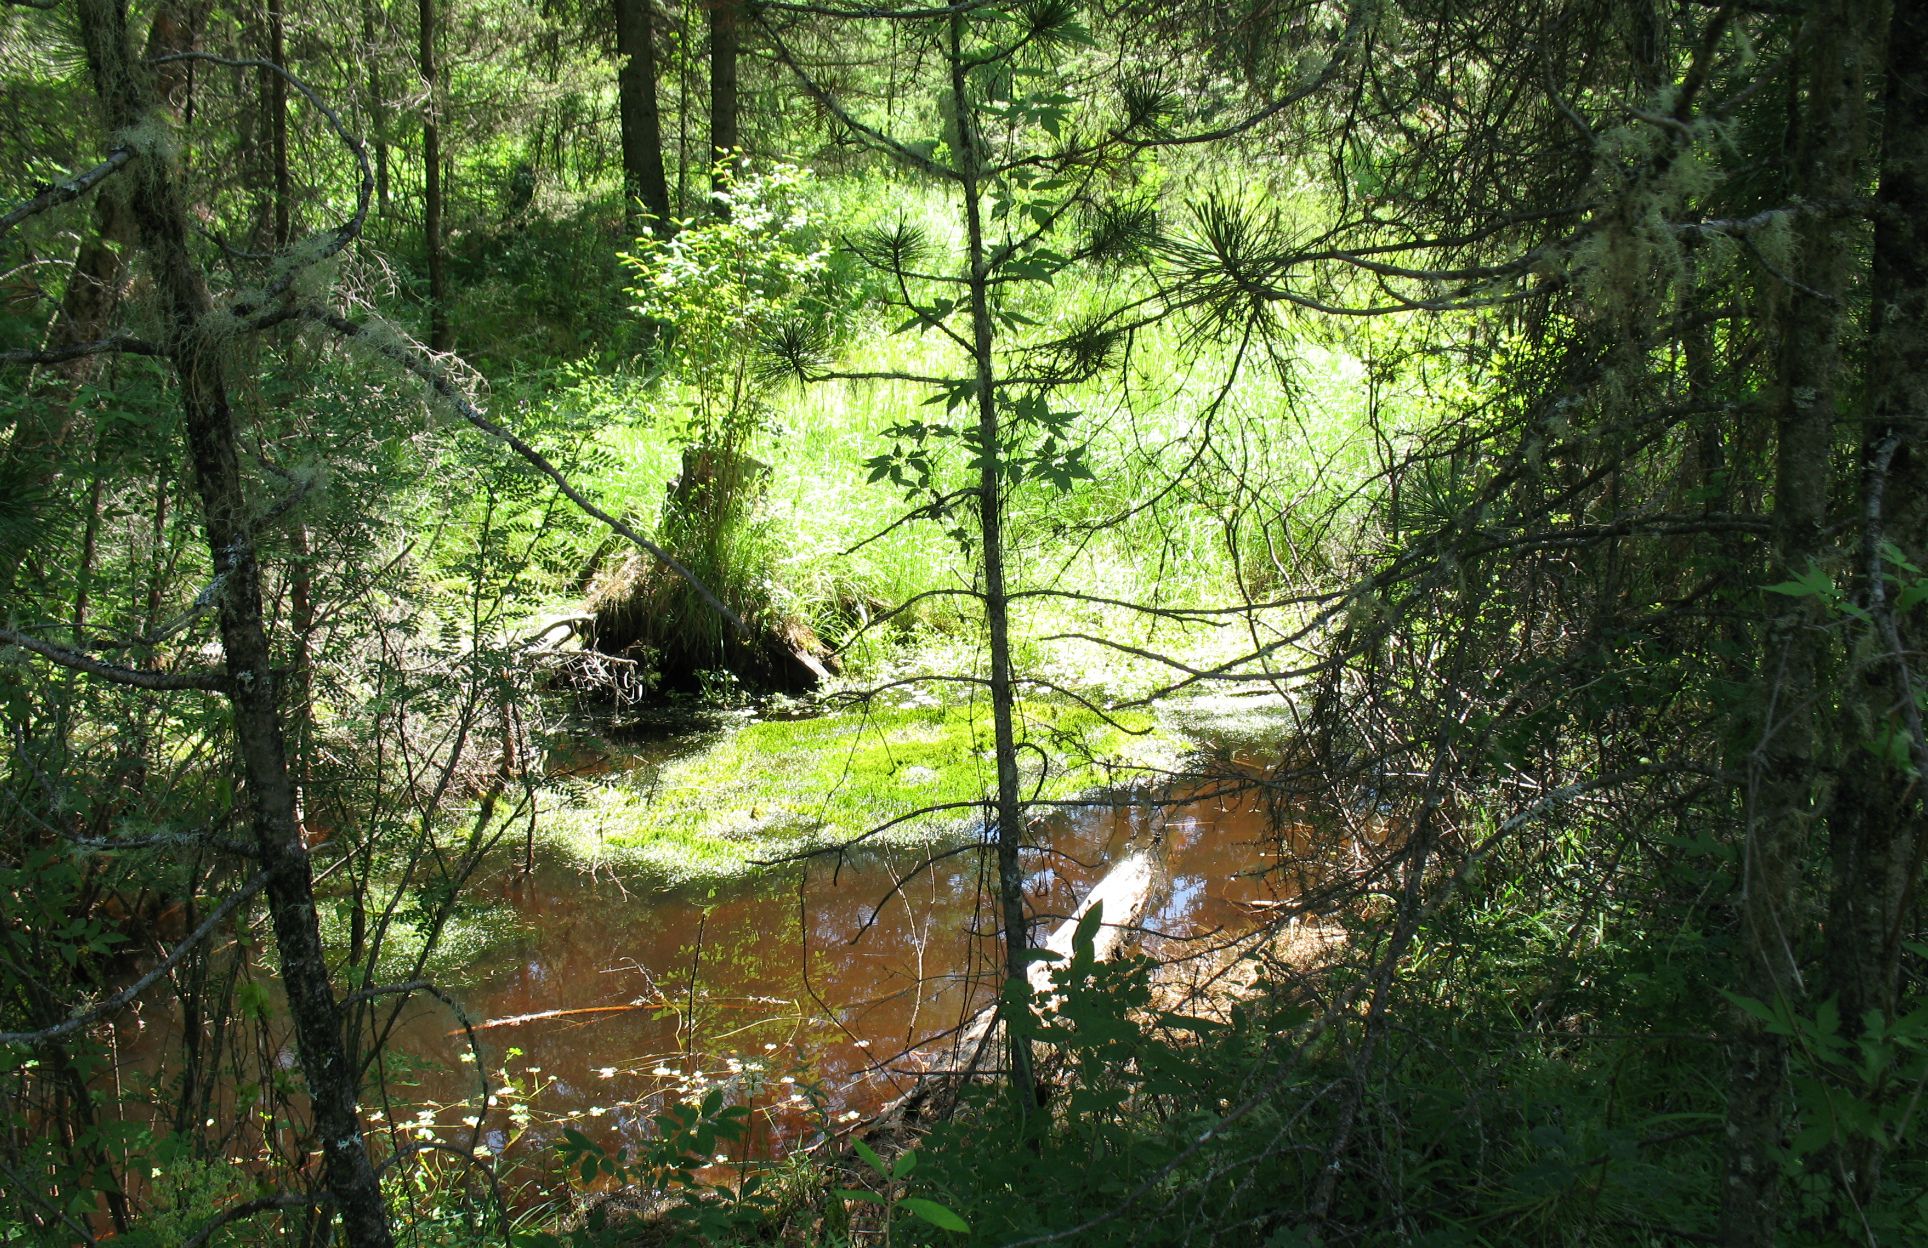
[477, 930]
[778, 786]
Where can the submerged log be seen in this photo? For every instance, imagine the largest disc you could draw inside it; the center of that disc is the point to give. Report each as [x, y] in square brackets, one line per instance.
[1127, 892]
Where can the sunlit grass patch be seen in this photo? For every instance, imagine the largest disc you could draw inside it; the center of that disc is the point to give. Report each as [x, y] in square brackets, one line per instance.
[778, 786]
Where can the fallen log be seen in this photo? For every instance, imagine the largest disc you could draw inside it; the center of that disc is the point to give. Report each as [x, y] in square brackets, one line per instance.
[1126, 892]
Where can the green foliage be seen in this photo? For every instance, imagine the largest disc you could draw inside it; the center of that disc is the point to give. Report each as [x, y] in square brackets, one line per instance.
[1856, 1093]
[729, 297]
[779, 785]
[894, 1176]
[684, 1144]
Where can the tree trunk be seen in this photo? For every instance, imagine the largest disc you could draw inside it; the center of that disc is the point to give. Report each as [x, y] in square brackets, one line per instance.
[724, 139]
[301, 679]
[1789, 760]
[377, 106]
[160, 217]
[278, 127]
[1875, 827]
[439, 336]
[645, 188]
[1009, 806]
[86, 314]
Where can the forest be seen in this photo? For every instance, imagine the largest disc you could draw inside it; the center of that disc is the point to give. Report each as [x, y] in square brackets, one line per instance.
[1009, 622]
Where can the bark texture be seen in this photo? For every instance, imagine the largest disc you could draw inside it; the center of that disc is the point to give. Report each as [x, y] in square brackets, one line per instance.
[194, 338]
[725, 43]
[1786, 772]
[440, 336]
[646, 189]
[1875, 825]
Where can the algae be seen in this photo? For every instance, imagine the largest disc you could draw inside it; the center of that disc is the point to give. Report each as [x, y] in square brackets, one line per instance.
[879, 777]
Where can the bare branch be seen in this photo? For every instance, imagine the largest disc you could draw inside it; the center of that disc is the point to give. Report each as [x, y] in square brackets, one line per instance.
[68, 189]
[468, 1029]
[442, 384]
[248, 1208]
[68, 657]
[87, 1018]
[125, 344]
[348, 230]
[878, 138]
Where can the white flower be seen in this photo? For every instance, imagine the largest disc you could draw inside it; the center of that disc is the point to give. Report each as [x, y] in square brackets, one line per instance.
[607, 1072]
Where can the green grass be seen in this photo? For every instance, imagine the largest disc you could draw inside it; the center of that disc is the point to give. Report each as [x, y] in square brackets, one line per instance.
[779, 786]
[1285, 437]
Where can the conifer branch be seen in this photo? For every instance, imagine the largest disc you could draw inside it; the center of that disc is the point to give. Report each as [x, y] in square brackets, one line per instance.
[69, 189]
[75, 660]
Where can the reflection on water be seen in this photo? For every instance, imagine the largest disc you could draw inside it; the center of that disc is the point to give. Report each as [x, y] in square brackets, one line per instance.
[842, 979]
[816, 993]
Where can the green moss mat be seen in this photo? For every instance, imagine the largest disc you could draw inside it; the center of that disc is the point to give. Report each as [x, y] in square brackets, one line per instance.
[776, 787]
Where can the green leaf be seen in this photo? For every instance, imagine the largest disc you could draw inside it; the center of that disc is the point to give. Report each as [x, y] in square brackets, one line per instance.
[935, 1214]
[849, 1193]
[1757, 1009]
[905, 1163]
[870, 1157]
[1814, 583]
[1084, 939]
[1827, 1018]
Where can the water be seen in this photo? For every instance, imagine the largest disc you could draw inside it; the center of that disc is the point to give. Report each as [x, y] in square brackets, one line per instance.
[815, 994]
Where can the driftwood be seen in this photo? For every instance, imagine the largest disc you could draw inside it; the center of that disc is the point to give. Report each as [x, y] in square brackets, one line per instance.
[1127, 892]
[543, 1016]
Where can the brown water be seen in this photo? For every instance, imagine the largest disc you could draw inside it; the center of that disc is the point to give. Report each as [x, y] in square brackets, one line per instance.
[815, 995]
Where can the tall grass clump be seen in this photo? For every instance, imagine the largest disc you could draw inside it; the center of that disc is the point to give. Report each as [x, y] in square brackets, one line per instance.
[724, 300]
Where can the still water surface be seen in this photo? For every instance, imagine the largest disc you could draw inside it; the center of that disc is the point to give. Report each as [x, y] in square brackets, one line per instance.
[816, 993]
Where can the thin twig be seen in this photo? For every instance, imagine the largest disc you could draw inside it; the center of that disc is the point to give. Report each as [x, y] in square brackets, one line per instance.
[88, 1017]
